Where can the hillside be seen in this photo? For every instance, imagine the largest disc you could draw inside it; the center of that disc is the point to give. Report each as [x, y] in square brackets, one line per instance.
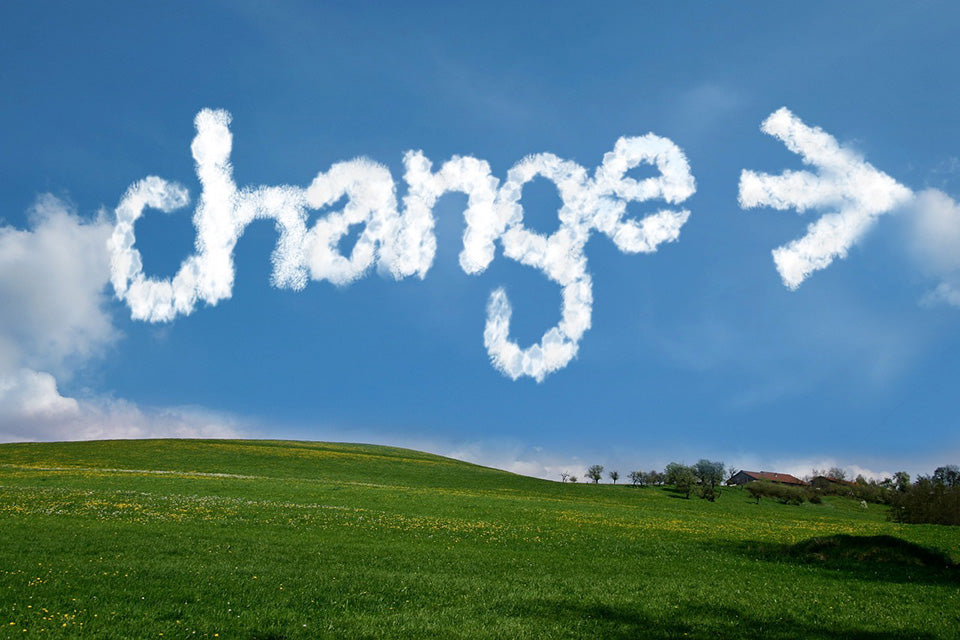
[268, 539]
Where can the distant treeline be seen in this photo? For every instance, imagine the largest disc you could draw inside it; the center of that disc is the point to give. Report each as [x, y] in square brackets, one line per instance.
[703, 478]
[933, 499]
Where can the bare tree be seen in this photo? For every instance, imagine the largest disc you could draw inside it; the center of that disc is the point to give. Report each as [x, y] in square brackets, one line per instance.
[614, 475]
[564, 476]
[636, 477]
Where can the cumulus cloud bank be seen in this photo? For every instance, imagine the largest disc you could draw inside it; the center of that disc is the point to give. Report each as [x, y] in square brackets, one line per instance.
[849, 188]
[32, 409]
[934, 242]
[53, 280]
[401, 241]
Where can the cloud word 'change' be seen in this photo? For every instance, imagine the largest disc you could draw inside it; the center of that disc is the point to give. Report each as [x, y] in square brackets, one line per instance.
[401, 240]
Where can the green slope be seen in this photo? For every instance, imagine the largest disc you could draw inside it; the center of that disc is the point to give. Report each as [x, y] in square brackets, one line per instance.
[267, 539]
[325, 461]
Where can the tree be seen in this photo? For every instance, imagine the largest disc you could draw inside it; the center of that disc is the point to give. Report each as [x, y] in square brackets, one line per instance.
[948, 476]
[614, 475]
[709, 473]
[672, 472]
[686, 479]
[654, 477]
[836, 473]
[901, 480]
[636, 477]
[573, 478]
[731, 471]
[595, 473]
[682, 477]
[564, 476]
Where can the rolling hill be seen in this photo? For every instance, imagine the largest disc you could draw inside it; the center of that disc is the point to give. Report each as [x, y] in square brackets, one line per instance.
[270, 539]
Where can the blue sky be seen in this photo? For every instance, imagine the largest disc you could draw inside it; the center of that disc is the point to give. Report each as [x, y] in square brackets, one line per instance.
[695, 350]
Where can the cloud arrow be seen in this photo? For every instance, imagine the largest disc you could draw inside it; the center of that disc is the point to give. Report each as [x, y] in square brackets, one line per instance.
[852, 191]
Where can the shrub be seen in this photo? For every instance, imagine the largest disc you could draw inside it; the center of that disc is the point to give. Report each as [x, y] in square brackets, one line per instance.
[709, 492]
[787, 494]
[783, 493]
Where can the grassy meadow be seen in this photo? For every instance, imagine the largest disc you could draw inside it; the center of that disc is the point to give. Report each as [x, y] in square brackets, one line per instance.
[264, 539]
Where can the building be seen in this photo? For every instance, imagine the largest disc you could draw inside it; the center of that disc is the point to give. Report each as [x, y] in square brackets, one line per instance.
[743, 477]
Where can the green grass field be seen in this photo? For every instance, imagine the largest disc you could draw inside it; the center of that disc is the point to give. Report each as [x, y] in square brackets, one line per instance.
[260, 539]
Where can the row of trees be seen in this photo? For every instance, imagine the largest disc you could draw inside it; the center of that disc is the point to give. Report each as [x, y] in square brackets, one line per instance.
[703, 478]
[933, 499]
[886, 491]
[594, 473]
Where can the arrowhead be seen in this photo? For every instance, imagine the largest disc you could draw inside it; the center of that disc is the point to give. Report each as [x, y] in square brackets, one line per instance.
[852, 190]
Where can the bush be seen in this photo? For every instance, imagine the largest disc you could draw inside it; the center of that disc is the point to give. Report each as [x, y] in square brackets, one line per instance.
[790, 495]
[708, 492]
[783, 493]
[758, 490]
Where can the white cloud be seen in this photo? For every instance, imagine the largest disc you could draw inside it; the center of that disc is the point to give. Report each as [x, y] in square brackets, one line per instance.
[852, 190]
[52, 286]
[32, 395]
[515, 458]
[53, 318]
[402, 242]
[32, 409]
[934, 242]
